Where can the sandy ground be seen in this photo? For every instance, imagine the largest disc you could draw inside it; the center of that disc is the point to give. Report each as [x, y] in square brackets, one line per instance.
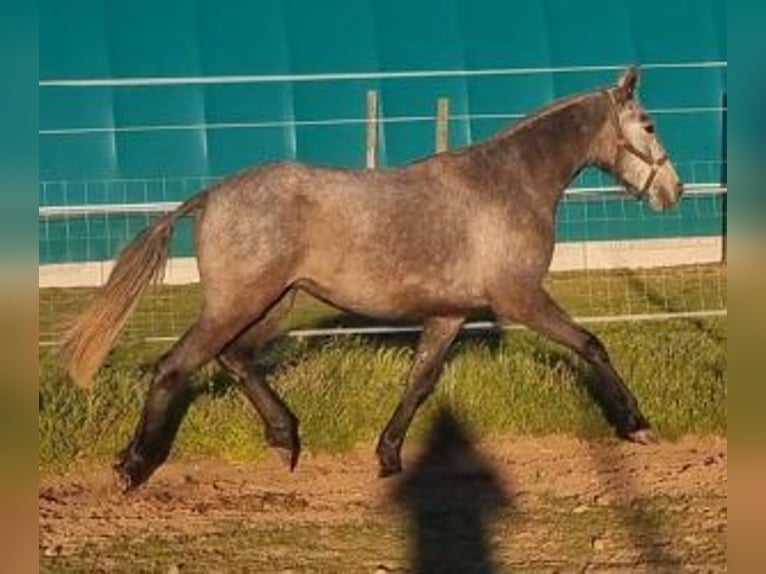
[556, 504]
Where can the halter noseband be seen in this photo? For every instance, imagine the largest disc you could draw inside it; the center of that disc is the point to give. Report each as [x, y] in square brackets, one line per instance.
[624, 145]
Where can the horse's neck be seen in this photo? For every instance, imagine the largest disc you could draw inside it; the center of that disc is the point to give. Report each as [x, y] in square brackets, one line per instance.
[542, 154]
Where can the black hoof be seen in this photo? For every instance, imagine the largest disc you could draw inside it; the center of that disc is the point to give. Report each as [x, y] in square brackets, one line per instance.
[132, 470]
[386, 471]
[645, 436]
[287, 442]
[634, 427]
[389, 461]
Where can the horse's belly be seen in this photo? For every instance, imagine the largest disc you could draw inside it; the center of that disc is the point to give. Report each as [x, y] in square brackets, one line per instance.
[400, 297]
[389, 267]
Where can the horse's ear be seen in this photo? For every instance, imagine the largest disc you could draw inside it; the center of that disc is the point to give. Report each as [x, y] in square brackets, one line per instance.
[628, 82]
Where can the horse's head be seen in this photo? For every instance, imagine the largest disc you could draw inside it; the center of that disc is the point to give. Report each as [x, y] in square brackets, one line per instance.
[636, 155]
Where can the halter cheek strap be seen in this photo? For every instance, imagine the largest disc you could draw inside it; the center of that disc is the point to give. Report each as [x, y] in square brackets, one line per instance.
[623, 145]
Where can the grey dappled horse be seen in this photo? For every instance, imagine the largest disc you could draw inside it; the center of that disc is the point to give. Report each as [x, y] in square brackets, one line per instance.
[467, 229]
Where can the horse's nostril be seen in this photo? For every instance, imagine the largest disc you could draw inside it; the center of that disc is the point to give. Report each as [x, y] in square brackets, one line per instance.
[679, 188]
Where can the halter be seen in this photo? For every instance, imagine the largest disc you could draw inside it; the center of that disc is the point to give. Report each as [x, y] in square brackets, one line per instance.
[624, 145]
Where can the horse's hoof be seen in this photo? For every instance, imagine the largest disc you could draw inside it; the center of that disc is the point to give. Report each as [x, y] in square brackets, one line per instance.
[132, 471]
[644, 436]
[288, 456]
[124, 477]
[287, 444]
[389, 462]
[386, 471]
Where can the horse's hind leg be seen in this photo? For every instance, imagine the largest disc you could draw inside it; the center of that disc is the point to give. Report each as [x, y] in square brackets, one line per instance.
[168, 394]
[281, 425]
[541, 313]
[438, 333]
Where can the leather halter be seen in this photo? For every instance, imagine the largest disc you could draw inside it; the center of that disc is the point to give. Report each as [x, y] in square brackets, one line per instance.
[624, 145]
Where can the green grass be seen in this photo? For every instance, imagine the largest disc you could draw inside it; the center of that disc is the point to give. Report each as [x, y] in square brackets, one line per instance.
[344, 389]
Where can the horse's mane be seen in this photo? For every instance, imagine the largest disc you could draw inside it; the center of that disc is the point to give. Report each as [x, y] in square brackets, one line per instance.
[516, 127]
[545, 111]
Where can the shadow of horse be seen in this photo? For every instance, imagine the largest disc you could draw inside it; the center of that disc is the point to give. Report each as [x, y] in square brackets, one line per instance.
[451, 495]
[618, 481]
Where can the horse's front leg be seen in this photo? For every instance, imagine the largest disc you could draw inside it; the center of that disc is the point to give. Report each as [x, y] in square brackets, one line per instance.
[539, 312]
[438, 333]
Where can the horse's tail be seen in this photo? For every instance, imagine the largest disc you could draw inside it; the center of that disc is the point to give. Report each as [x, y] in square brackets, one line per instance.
[142, 261]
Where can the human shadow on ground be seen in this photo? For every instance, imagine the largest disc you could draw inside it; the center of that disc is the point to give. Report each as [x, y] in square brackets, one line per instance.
[451, 494]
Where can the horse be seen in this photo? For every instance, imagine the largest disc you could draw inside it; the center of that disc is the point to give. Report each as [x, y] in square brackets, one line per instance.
[467, 229]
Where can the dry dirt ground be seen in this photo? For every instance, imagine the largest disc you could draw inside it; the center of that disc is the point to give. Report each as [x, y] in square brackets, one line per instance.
[547, 504]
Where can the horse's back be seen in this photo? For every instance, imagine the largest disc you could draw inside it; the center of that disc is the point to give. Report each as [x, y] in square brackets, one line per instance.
[373, 241]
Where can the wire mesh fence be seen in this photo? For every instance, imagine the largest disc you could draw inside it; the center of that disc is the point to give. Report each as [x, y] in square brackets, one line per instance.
[615, 258]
